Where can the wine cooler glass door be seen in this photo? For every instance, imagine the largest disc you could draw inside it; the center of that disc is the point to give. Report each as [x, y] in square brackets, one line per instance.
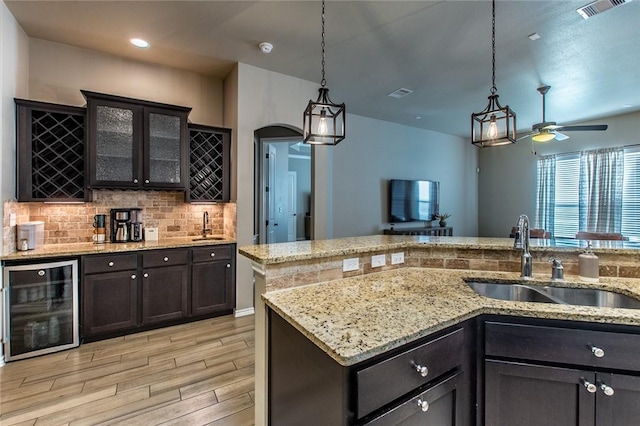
[41, 302]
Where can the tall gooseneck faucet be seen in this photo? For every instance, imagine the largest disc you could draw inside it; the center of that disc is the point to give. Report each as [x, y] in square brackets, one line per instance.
[205, 224]
[522, 242]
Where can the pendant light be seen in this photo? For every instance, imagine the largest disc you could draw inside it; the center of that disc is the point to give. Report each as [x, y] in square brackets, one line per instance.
[495, 125]
[324, 121]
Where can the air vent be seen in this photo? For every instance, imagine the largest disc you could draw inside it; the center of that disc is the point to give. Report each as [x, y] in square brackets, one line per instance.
[598, 7]
[400, 93]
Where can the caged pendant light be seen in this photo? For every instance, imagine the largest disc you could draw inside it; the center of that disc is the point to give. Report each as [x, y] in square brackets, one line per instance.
[324, 121]
[495, 125]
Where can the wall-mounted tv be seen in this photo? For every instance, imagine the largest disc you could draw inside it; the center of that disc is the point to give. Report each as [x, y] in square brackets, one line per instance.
[413, 200]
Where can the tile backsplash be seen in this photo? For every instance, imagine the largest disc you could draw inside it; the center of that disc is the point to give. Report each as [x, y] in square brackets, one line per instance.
[73, 223]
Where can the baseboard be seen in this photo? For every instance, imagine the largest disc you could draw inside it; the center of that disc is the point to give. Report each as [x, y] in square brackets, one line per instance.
[244, 312]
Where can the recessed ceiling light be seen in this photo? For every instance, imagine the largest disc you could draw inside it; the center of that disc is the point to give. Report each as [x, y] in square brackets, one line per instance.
[138, 42]
[418, 117]
[627, 106]
[400, 93]
[534, 36]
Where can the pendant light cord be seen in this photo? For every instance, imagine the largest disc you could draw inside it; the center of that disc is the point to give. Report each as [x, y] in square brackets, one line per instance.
[323, 82]
[493, 47]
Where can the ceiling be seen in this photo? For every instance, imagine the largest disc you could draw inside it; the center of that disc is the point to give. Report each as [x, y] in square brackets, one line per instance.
[439, 49]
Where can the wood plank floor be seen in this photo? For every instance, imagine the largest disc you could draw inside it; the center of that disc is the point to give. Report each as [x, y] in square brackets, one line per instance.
[201, 373]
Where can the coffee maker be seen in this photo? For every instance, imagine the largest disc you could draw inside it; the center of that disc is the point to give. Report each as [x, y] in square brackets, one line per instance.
[120, 222]
[135, 232]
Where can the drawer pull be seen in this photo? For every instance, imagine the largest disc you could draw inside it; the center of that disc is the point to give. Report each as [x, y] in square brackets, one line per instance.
[166, 259]
[111, 263]
[608, 390]
[423, 370]
[228, 265]
[598, 352]
[424, 405]
[145, 275]
[41, 273]
[146, 181]
[591, 388]
[212, 255]
[133, 277]
[135, 181]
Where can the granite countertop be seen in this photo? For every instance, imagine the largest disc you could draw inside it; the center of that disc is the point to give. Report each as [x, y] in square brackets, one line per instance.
[314, 249]
[78, 249]
[356, 318]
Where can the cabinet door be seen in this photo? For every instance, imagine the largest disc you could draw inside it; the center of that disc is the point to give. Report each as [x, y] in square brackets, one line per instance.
[212, 287]
[165, 148]
[109, 302]
[114, 142]
[164, 294]
[530, 395]
[209, 163]
[619, 405]
[51, 152]
[439, 405]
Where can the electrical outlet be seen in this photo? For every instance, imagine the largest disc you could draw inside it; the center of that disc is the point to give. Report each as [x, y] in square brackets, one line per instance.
[12, 219]
[397, 258]
[378, 261]
[350, 264]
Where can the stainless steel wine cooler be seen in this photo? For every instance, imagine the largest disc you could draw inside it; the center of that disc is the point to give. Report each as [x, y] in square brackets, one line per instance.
[41, 309]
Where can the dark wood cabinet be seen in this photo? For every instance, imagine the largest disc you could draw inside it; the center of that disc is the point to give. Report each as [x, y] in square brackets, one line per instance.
[109, 302]
[446, 231]
[537, 373]
[425, 382]
[212, 279]
[136, 144]
[209, 163]
[133, 291]
[51, 152]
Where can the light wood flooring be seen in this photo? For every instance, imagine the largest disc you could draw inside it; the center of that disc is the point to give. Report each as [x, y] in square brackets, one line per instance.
[201, 373]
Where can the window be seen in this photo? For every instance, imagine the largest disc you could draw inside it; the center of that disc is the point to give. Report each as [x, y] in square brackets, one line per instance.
[566, 202]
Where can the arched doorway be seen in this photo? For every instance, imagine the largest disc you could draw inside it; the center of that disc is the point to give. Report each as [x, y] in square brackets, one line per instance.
[282, 187]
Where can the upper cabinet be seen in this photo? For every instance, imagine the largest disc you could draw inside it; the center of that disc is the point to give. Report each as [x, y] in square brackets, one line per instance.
[209, 163]
[51, 152]
[136, 144]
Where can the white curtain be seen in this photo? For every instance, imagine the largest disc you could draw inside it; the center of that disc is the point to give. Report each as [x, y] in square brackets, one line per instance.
[601, 184]
[546, 193]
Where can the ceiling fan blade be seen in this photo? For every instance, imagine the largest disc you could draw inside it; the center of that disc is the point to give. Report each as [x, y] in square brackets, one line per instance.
[583, 128]
[525, 136]
[560, 137]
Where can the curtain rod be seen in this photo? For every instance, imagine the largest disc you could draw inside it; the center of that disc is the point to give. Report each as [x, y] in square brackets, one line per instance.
[579, 152]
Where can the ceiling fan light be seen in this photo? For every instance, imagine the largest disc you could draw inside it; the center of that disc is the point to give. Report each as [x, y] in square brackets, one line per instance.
[543, 137]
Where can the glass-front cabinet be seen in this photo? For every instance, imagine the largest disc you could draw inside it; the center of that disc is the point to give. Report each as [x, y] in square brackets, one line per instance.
[136, 144]
[41, 308]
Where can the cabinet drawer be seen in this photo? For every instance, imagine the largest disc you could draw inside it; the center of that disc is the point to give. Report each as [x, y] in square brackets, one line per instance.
[599, 349]
[207, 254]
[388, 380]
[109, 263]
[156, 258]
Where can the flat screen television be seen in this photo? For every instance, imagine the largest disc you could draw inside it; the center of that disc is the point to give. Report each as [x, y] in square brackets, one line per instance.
[413, 200]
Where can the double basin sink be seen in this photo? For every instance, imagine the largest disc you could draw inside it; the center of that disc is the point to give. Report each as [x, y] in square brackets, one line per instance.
[549, 294]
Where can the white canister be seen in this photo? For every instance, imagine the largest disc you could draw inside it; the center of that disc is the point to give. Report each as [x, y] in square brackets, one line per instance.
[588, 265]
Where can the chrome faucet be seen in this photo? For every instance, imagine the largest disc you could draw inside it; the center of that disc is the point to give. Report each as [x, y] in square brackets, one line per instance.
[522, 242]
[205, 224]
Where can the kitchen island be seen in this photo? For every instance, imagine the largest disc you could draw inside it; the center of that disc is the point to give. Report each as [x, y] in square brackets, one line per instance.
[356, 316]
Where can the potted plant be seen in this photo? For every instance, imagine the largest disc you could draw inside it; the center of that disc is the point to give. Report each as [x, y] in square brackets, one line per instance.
[442, 217]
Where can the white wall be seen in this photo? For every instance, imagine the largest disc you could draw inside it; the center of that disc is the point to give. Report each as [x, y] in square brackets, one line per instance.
[508, 174]
[14, 79]
[57, 72]
[375, 151]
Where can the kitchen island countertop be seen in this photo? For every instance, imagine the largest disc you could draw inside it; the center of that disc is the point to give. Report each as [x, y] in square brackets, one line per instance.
[353, 319]
[78, 249]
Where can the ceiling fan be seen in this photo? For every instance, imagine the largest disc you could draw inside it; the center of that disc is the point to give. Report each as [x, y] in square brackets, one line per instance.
[549, 130]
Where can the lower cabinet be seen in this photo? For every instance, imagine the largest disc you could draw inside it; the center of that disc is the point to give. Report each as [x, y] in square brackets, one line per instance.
[212, 279]
[123, 293]
[537, 374]
[427, 382]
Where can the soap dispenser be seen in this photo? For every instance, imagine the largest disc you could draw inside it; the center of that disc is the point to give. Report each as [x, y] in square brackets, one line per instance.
[588, 268]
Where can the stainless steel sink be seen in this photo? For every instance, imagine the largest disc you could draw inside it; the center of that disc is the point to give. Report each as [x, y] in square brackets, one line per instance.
[207, 238]
[549, 294]
[514, 292]
[593, 297]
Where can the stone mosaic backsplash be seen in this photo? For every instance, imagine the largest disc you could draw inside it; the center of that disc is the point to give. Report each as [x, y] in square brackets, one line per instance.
[165, 210]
